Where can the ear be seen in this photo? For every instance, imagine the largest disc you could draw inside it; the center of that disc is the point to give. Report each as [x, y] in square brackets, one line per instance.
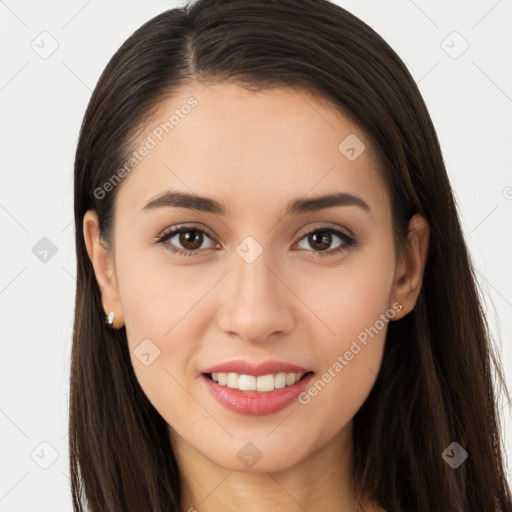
[409, 273]
[102, 259]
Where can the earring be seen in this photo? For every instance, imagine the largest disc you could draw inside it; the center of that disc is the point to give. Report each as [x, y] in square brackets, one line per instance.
[399, 308]
[109, 320]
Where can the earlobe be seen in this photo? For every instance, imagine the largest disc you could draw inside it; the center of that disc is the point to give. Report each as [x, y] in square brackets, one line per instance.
[409, 275]
[103, 265]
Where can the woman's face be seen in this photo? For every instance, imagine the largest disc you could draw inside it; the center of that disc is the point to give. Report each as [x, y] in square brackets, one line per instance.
[264, 283]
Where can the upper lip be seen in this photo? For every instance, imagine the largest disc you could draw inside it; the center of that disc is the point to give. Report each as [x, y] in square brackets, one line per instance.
[244, 367]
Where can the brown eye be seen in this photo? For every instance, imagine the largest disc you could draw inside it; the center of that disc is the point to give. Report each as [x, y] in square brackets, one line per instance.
[185, 241]
[320, 239]
[190, 239]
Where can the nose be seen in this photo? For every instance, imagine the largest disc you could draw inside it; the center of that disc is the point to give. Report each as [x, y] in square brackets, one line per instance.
[257, 304]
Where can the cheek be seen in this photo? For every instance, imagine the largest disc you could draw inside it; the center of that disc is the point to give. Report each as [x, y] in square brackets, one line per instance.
[354, 307]
[350, 298]
[157, 297]
[159, 308]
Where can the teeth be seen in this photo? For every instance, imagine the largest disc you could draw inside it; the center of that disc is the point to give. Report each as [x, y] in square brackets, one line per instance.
[260, 383]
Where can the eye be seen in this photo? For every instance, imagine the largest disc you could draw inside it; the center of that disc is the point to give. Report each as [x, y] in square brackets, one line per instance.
[320, 238]
[191, 238]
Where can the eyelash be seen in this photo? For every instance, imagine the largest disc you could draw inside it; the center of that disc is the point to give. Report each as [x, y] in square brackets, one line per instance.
[348, 241]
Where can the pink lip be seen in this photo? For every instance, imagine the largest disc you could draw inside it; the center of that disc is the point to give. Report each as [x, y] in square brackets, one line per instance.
[256, 403]
[243, 367]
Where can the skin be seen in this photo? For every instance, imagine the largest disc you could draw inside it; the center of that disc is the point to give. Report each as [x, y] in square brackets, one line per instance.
[255, 152]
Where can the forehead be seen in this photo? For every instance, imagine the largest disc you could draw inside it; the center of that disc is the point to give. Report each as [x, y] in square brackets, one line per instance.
[246, 147]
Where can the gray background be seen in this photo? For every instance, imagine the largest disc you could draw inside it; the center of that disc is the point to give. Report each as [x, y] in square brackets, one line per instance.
[42, 101]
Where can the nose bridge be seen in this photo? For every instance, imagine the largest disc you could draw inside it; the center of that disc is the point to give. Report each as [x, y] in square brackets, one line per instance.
[255, 279]
[256, 303]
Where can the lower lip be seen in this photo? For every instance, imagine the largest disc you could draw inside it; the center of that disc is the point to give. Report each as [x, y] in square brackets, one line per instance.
[256, 403]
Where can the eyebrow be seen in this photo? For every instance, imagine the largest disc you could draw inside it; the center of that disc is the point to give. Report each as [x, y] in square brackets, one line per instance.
[179, 199]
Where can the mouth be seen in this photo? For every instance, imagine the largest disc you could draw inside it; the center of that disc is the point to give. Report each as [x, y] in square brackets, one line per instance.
[259, 383]
[256, 395]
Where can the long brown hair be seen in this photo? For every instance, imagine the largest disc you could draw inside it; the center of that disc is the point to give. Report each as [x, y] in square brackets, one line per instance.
[436, 383]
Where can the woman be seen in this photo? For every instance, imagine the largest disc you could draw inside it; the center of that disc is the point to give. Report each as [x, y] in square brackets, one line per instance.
[319, 343]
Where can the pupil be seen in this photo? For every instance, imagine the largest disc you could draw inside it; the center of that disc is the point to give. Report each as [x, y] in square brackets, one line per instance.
[185, 239]
[324, 237]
